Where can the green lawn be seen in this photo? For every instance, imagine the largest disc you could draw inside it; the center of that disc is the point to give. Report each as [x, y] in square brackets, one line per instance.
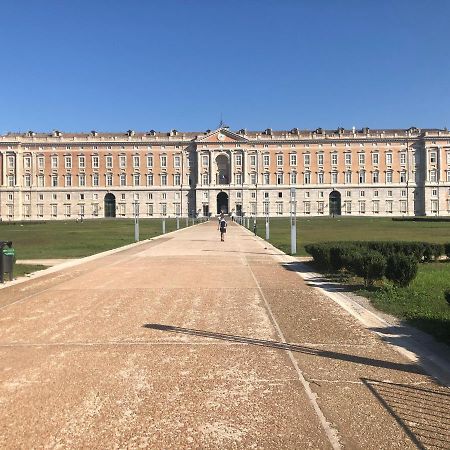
[23, 269]
[321, 229]
[422, 303]
[70, 239]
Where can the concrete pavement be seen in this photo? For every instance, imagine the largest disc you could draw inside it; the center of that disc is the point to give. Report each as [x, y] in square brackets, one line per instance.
[187, 342]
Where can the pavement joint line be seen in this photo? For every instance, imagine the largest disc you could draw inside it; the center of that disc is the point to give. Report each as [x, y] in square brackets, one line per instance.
[331, 432]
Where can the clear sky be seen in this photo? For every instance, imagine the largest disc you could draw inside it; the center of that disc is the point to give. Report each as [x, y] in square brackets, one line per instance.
[115, 65]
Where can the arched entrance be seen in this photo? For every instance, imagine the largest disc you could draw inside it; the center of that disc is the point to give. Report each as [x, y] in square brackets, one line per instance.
[222, 202]
[110, 205]
[335, 203]
[223, 170]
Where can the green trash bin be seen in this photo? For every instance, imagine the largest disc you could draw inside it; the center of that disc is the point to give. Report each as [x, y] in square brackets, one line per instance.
[8, 256]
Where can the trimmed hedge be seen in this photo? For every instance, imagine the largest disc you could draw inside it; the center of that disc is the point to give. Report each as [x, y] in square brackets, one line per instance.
[372, 260]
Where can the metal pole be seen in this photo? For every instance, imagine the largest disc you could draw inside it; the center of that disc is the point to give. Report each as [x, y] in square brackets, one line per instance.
[164, 225]
[178, 223]
[136, 223]
[267, 226]
[293, 223]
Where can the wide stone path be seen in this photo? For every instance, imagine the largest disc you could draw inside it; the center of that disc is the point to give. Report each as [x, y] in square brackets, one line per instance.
[187, 342]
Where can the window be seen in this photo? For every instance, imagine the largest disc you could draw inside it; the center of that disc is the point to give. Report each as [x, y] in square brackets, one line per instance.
[320, 178]
[109, 179]
[253, 194]
[205, 179]
[362, 176]
[177, 179]
[307, 207]
[389, 204]
[334, 177]
[293, 178]
[307, 178]
[54, 179]
[68, 162]
[307, 194]
[40, 210]
[253, 160]
[95, 162]
[434, 192]
[280, 195]
[67, 210]
[402, 158]
[320, 159]
[279, 208]
[177, 161]
[348, 158]
[68, 180]
[334, 159]
[137, 161]
[320, 207]
[376, 207]
[361, 158]
[205, 160]
[389, 176]
[163, 209]
[266, 160]
[95, 179]
[54, 210]
[293, 159]
[137, 179]
[348, 177]
[27, 180]
[362, 207]
[266, 178]
[375, 158]
[123, 179]
[27, 162]
[389, 158]
[348, 207]
[402, 177]
[82, 179]
[403, 193]
[11, 162]
[279, 178]
[41, 162]
[122, 161]
[53, 162]
[389, 193]
[40, 180]
[81, 162]
[163, 179]
[239, 160]
[375, 176]
[433, 157]
[150, 160]
[375, 193]
[362, 193]
[149, 179]
[253, 178]
[307, 159]
[433, 176]
[239, 178]
[109, 162]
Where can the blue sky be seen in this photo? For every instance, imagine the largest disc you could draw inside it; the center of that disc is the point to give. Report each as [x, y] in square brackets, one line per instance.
[118, 65]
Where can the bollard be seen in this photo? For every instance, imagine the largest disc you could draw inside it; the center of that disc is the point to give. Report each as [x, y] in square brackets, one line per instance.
[267, 230]
[164, 226]
[178, 223]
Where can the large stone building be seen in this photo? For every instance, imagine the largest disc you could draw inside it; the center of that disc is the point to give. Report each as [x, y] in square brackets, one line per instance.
[349, 172]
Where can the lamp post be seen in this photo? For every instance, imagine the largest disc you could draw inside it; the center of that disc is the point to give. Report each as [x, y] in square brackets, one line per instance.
[136, 221]
[267, 221]
[293, 222]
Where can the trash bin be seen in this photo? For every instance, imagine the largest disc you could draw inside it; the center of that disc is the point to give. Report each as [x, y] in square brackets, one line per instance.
[7, 258]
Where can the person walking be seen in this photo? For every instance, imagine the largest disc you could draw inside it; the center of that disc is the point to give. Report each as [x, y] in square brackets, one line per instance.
[222, 228]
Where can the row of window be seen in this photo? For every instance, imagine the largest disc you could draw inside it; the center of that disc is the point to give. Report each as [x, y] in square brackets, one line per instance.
[95, 161]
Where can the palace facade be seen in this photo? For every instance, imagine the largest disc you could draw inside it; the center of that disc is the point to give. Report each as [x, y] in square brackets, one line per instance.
[395, 172]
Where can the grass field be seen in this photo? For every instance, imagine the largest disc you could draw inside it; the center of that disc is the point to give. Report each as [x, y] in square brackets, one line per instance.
[321, 229]
[422, 303]
[70, 239]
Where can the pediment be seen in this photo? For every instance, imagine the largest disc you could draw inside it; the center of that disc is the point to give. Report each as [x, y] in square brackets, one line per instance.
[221, 135]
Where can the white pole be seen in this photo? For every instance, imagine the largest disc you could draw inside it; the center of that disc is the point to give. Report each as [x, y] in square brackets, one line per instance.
[267, 226]
[164, 225]
[136, 223]
[293, 223]
[178, 223]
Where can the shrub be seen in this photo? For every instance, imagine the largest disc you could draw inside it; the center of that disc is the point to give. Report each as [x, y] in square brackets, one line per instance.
[321, 255]
[401, 269]
[447, 249]
[447, 296]
[367, 264]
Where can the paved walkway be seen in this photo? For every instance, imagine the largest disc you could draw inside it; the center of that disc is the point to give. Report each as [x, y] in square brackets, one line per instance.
[187, 342]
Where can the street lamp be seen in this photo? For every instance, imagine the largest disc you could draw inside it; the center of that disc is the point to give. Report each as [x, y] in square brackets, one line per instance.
[136, 221]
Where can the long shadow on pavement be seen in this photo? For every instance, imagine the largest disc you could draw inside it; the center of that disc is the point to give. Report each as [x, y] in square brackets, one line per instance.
[411, 368]
[422, 412]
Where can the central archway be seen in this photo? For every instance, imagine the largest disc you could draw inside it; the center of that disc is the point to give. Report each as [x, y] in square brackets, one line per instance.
[223, 170]
[110, 205]
[335, 203]
[222, 202]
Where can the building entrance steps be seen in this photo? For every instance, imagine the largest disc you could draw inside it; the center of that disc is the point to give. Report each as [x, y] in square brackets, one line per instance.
[190, 342]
